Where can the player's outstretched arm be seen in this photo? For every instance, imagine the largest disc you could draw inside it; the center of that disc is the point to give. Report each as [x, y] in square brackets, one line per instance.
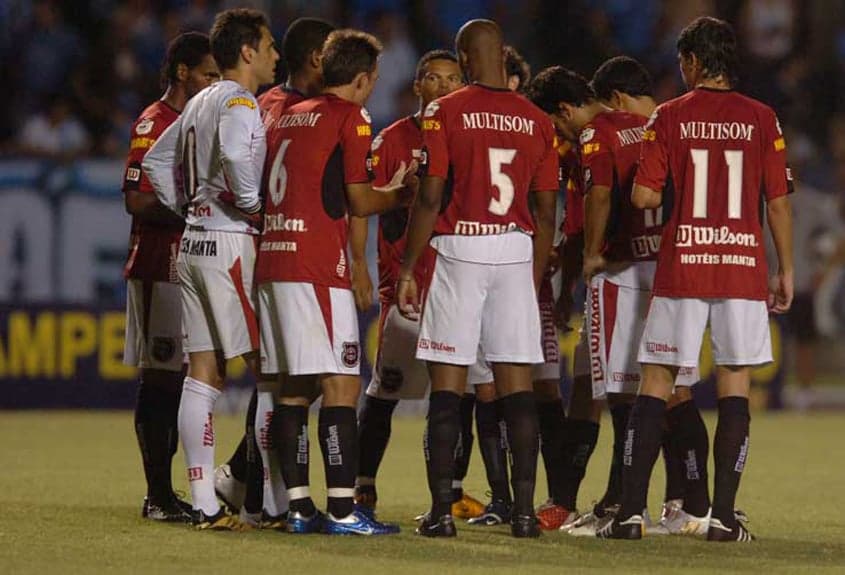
[779, 213]
[645, 198]
[544, 235]
[362, 285]
[366, 200]
[161, 164]
[596, 214]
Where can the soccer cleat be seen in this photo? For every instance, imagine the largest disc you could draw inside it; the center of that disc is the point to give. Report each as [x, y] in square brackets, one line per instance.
[231, 491]
[467, 507]
[220, 521]
[166, 511]
[496, 513]
[631, 528]
[523, 526]
[590, 523]
[444, 526]
[365, 502]
[300, 524]
[357, 523]
[573, 518]
[675, 521]
[249, 520]
[277, 523]
[552, 516]
[719, 532]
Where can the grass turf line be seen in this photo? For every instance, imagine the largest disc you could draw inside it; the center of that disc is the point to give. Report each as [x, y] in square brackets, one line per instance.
[71, 486]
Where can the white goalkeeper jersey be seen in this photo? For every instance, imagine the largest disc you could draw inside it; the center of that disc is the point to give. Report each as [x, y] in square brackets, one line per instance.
[211, 159]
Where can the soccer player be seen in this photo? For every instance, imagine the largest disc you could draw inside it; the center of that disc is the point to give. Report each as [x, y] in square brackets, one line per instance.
[217, 147]
[317, 174]
[398, 374]
[153, 304]
[624, 84]
[724, 153]
[518, 71]
[493, 147]
[302, 48]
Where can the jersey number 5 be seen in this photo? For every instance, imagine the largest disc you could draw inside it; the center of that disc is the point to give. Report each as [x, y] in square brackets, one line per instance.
[500, 157]
[701, 164]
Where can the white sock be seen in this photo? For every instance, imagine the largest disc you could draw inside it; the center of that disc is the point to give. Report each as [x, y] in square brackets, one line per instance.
[196, 431]
[275, 492]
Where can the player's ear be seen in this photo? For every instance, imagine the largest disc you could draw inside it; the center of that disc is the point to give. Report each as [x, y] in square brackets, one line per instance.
[247, 53]
[316, 59]
[564, 110]
[181, 72]
[417, 89]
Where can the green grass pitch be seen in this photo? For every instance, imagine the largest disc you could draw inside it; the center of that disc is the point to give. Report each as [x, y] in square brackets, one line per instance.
[71, 487]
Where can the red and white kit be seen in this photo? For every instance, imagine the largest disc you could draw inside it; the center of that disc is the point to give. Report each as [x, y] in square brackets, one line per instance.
[209, 163]
[154, 337]
[309, 324]
[617, 301]
[721, 150]
[491, 147]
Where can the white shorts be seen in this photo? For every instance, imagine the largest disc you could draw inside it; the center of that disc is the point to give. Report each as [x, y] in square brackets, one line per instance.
[154, 338]
[739, 331]
[308, 329]
[218, 300]
[472, 304]
[615, 321]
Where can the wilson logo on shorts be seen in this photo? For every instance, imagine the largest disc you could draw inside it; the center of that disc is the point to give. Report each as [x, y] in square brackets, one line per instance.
[658, 347]
[351, 353]
[423, 344]
[194, 473]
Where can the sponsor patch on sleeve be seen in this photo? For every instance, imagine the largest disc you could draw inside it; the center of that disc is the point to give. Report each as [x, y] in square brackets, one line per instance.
[780, 145]
[133, 175]
[590, 148]
[141, 143]
[364, 130]
[240, 101]
[430, 125]
[144, 127]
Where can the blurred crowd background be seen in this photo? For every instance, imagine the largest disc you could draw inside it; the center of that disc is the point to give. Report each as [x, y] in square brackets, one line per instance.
[76, 74]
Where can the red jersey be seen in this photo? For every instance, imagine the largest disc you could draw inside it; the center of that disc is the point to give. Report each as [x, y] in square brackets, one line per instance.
[492, 146]
[570, 176]
[610, 149]
[314, 149]
[152, 247]
[720, 150]
[276, 95]
[400, 142]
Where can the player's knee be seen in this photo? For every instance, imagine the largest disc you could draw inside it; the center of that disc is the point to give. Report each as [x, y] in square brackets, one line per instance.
[547, 390]
[485, 392]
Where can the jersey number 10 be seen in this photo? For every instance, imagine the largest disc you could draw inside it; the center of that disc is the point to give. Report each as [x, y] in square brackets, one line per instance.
[701, 164]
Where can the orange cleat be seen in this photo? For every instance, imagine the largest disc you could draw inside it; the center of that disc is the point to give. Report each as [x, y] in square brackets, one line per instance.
[551, 516]
[467, 507]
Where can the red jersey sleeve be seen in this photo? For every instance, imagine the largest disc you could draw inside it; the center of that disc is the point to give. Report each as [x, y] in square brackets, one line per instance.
[355, 141]
[776, 177]
[596, 158]
[547, 176]
[381, 160]
[653, 167]
[435, 158]
[145, 131]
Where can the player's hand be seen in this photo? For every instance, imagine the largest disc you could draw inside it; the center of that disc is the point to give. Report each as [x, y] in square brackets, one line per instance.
[592, 266]
[407, 297]
[362, 286]
[781, 290]
[397, 181]
[554, 261]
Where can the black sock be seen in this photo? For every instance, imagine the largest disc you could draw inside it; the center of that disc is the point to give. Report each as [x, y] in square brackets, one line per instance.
[641, 447]
[673, 465]
[578, 445]
[520, 411]
[254, 500]
[464, 443]
[338, 432]
[238, 461]
[156, 430]
[730, 453]
[374, 428]
[290, 438]
[441, 439]
[552, 420]
[493, 451]
[691, 446]
[613, 495]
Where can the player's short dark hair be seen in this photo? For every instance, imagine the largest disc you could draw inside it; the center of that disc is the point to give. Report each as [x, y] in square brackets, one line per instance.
[231, 30]
[515, 65]
[189, 49]
[433, 55]
[302, 38]
[624, 74]
[348, 53]
[558, 84]
[714, 44]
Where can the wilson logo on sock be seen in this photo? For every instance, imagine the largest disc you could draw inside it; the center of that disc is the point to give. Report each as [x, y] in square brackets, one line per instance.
[743, 455]
[194, 473]
[208, 432]
[333, 447]
[264, 434]
[629, 448]
[302, 447]
[692, 466]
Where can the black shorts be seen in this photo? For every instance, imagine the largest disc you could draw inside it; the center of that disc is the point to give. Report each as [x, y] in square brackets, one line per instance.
[802, 318]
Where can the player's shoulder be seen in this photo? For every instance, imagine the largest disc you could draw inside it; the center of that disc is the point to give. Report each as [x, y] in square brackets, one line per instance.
[233, 95]
[400, 128]
[154, 119]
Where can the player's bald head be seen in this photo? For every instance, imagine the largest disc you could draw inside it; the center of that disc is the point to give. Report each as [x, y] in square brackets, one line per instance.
[479, 36]
[479, 45]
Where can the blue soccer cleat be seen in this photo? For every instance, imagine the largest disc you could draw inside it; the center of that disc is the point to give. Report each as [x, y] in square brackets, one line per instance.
[299, 523]
[357, 523]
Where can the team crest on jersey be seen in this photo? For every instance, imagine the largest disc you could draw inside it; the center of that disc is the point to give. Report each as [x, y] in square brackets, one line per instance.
[145, 126]
[431, 109]
[164, 348]
[377, 142]
[587, 135]
[366, 115]
[351, 353]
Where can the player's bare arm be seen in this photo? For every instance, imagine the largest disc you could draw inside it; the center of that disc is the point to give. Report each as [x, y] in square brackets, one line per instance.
[147, 208]
[366, 200]
[779, 213]
[596, 214]
[362, 286]
[645, 198]
[544, 220]
[423, 218]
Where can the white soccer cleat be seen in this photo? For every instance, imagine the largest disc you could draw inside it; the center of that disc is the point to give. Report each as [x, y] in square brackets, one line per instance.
[590, 523]
[231, 491]
[675, 521]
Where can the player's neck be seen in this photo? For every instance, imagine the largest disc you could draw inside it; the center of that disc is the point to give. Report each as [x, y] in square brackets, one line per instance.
[717, 83]
[304, 84]
[593, 109]
[345, 92]
[490, 77]
[174, 97]
[242, 77]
